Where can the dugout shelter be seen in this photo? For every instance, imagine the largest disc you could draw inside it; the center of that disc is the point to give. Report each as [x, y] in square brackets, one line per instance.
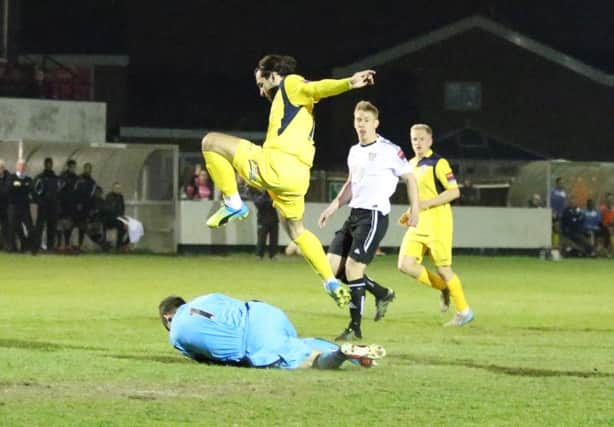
[147, 173]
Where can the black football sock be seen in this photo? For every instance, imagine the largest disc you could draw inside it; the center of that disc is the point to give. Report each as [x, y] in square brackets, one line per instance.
[357, 291]
[330, 360]
[375, 288]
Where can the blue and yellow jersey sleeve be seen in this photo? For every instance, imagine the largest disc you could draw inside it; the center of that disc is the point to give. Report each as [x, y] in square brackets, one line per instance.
[444, 174]
[291, 124]
[434, 175]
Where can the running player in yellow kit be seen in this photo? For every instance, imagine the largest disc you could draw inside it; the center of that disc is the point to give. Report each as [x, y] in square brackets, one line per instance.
[282, 164]
[437, 187]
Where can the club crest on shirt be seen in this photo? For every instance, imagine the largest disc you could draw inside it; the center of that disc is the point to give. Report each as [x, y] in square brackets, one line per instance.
[372, 156]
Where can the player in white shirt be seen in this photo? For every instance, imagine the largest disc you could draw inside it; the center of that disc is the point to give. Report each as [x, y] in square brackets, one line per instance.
[375, 166]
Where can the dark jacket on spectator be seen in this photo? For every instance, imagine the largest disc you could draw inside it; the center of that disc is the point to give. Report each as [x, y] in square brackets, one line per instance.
[114, 205]
[267, 214]
[85, 188]
[572, 221]
[98, 211]
[67, 194]
[4, 189]
[46, 187]
[19, 191]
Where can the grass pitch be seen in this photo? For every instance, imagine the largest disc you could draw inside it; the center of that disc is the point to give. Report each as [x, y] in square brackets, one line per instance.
[81, 344]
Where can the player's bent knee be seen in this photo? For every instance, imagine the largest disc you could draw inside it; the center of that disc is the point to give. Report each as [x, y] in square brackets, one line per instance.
[207, 142]
[408, 267]
[402, 268]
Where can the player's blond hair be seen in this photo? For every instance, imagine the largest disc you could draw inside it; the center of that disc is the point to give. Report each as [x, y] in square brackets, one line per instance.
[367, 106]
[422, 126]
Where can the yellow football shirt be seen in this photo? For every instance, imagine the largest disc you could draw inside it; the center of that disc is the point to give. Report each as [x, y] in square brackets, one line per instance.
[434, 176]
[291, 124]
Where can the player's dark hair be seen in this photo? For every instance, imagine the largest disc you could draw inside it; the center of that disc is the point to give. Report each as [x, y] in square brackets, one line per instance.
[71, 163]
[169, 305]
[281, 64]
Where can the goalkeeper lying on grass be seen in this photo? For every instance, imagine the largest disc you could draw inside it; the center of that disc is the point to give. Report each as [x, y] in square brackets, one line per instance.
[217, 329]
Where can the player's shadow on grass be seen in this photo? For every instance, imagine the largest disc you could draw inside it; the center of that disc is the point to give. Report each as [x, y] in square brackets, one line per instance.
[506, 370]
[159, 359]
[44, 346]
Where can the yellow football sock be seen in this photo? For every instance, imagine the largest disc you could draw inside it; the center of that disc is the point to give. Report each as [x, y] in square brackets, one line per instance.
[431, 279]
[456, 293]
[314, 254]
[222, 173]
[436, 280]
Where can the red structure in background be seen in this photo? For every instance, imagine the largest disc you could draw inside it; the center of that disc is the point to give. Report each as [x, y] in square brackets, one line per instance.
[74, 85]
[54, 82]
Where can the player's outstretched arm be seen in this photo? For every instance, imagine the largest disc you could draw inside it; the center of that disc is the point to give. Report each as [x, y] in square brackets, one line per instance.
[302, 92]
[362, 79]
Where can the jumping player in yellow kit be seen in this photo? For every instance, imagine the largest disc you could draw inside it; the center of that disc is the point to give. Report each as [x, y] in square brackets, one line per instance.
[282, 164]
[437, 187]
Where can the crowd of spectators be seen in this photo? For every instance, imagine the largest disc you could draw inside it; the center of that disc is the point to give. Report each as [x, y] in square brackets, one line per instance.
[64, 203]
[581, 231]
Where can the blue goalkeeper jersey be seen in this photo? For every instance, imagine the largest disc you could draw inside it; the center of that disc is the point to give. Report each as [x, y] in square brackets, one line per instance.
[221, 329]
[212, 327]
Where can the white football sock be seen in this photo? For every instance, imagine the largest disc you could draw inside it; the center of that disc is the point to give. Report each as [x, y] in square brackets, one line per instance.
[234, 201]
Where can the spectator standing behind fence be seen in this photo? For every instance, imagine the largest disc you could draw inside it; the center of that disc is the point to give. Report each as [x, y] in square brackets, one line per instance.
[20, 219]
[191, 182]
[85, 188]
[535, 201]
[4, 206]
[244, 189]
[115, 208]
[469, 195]
[607, 222]
[268, 223]
[202, 186]
[66, 222]
[575, 241]
[46, 189]
[558, 203]
[592, 223]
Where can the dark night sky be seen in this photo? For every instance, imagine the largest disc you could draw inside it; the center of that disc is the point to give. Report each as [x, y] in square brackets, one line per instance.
[184, 52]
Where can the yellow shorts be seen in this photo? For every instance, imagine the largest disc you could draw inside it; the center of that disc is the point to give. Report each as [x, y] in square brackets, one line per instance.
[281, 174]
[439, 251]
